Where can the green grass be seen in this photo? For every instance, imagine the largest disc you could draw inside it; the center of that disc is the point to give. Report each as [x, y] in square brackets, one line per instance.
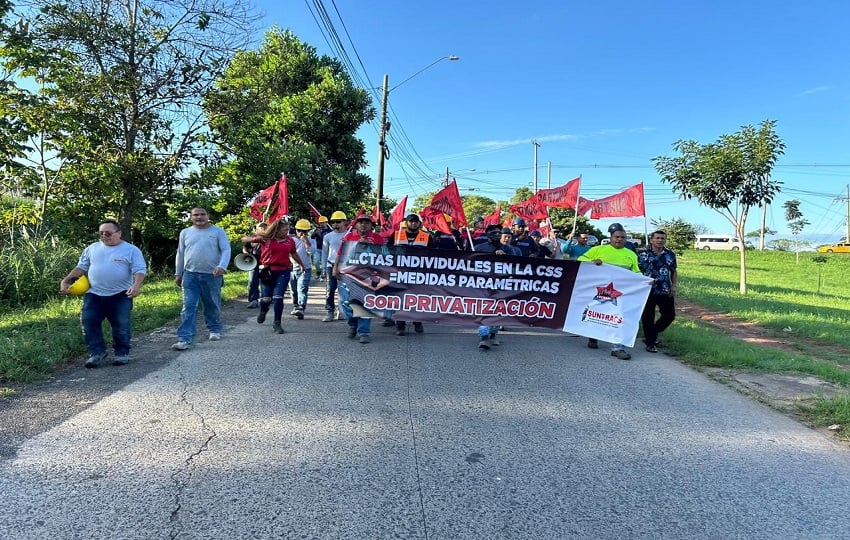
[35, 340]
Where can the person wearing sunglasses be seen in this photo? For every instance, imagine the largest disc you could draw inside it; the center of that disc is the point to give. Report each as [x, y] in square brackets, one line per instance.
[330, 248]
[115, 270]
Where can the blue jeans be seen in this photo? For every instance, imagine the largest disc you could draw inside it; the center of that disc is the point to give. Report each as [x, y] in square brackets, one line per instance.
[487, 331]
[363, 325]
[299, 284]
[273, 293]
[330, 289]
[253, 285]
[197, 288]
[116, 309]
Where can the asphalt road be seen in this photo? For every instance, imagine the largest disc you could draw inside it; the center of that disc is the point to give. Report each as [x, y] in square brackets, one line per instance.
[312, 435]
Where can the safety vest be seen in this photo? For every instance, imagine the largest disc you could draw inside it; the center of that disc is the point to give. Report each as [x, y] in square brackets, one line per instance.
[421, 238]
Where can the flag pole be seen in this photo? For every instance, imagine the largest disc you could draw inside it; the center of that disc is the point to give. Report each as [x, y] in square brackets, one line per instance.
[575, 209]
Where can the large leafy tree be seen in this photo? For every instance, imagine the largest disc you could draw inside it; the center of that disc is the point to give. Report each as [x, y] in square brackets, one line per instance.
[118, 120]
[729, 176]
[680, 234]
[284, 108]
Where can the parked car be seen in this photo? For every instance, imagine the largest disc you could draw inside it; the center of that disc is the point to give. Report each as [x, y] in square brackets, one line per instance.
[723, 242]
[841, 247]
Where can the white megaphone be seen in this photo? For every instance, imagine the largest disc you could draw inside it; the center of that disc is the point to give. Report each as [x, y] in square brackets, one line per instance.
[245, 262]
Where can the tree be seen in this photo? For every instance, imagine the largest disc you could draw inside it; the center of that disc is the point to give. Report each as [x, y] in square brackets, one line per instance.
[729, 176]
[680, 234]
[119, 87]
[284, 108]
[796, 222]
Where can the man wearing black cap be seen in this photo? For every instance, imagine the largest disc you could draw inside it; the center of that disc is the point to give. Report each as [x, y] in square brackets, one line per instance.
[498, 242]
[617, 227]
[616, 254]
[411, 235]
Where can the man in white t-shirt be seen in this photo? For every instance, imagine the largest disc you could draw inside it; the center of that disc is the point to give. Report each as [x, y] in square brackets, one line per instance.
[116, 270]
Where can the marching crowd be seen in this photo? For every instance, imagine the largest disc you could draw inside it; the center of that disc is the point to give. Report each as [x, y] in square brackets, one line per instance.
[287, 260]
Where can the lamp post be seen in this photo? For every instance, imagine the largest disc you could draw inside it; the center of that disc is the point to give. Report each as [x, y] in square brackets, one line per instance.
[384, 153]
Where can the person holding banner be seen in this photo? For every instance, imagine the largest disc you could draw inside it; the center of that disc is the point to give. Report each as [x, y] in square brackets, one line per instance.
[614, 253]
[575, 250]
[360, 327]
[411, 235]
[498, 242]
[659, 263]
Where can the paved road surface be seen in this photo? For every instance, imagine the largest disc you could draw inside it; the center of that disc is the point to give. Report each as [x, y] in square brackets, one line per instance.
[312, 435]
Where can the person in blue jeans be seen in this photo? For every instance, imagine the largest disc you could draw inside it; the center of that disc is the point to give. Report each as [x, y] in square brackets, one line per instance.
[203, 253]
[116, 270]
[498, 242]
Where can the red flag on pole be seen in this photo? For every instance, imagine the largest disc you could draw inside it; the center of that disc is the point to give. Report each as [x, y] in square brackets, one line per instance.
[262, 203]
[433, 218]
[584, 206]
[531, 208]
[628, 203]
[360, 213]
[397, 216]
[316, 214]
[281, 205]
[448, 201]
[561, 197]
[495, 218]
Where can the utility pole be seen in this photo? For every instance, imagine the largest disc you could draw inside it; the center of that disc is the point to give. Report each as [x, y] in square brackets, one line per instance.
[549, 176]
[847, 200]
[536, 146]
[446, 181]
[382, 143]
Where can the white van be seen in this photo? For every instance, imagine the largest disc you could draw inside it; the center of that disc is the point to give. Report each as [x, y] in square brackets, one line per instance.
[723, 242]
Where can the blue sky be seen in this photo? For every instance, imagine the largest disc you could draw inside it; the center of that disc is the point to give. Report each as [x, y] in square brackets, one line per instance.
[603, 87]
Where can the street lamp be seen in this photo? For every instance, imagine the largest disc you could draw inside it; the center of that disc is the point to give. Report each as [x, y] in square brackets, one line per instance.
[385, 127]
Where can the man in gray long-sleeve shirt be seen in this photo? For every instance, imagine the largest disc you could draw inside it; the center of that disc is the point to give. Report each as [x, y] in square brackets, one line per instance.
[203, 253]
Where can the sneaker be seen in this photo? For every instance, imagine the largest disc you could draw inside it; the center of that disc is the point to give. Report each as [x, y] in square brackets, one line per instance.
[365, 339]
[215, 336]
[592, 343]
[253, 304]
[94, 360]
[388, 323]
[277, 328]
[494, 340]
[299, 315]
[418, 328]
[651, 348]
[181, 345]
[329, 317]
[400, 331]
[338, 315]
[352, 332]
[120, 360]
[621, 354]
[261, 316]
[484, 343]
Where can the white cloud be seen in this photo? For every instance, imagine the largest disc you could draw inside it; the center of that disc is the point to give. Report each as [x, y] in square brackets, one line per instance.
[815, 90]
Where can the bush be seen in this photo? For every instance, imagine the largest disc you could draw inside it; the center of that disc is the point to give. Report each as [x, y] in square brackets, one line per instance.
[32, 263]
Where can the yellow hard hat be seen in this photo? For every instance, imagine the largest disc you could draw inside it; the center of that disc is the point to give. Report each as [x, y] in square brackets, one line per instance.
[448, 218]
[338, 215]
[322, 219]
[302, 225]
[79, 286]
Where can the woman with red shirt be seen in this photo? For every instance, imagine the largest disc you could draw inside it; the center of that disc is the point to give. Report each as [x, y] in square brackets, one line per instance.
[277, 253]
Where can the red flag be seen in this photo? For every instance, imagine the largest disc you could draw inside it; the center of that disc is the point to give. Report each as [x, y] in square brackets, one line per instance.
[584, 206]
[262, 202]
[628, 203]
[532, 208]
[378, 217]
[397, 216]
[448, 201]
[316, 213]
[561, 197]
[360, 213]
[433, 218]
[495, 218]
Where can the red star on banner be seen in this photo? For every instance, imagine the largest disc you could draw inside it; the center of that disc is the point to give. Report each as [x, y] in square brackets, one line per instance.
[607, 293]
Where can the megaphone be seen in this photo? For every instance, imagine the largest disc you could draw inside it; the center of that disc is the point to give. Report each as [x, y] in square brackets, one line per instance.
[245, 262]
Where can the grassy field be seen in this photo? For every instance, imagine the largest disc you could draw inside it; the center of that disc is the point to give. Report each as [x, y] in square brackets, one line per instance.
[34, 340]
[806, 303]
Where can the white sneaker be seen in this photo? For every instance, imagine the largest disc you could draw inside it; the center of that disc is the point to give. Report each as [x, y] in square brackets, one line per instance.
[181, 346]
[329, 317]
[215, 336]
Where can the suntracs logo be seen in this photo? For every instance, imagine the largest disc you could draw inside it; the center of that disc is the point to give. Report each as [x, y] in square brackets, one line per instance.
[604, 309]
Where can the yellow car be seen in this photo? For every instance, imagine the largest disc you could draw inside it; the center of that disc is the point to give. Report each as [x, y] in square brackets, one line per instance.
[842, 247]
